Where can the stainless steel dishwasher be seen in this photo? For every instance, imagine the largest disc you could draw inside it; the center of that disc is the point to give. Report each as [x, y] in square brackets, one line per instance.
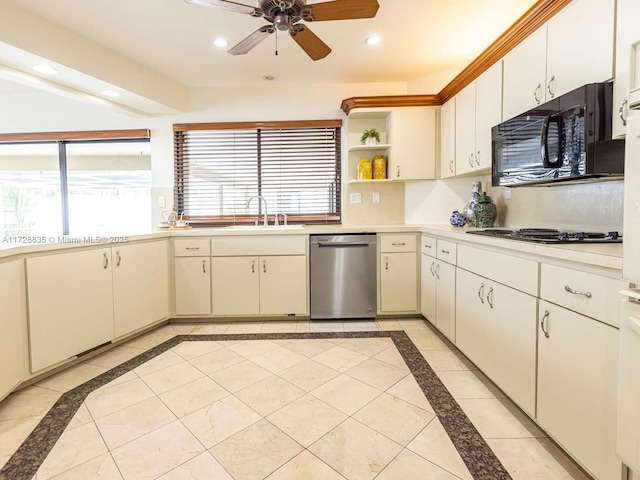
[343, 276]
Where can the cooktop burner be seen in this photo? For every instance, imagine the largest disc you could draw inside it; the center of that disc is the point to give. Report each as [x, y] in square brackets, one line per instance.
[549, 235]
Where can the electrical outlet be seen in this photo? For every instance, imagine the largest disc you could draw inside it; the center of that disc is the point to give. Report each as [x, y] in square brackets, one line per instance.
[162, 202]
[376, 197]
[356, 198]
[507, 193]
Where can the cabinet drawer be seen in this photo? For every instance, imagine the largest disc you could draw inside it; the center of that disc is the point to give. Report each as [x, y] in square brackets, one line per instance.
[398, 243]
[586, 293]
[514, 272]
[428, 246]
[260, 245]
[197, 247]
[446, 251]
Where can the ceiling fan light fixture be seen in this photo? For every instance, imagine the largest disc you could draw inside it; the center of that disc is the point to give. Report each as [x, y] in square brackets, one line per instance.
[282, 22]
[373, 40]
[220, 42]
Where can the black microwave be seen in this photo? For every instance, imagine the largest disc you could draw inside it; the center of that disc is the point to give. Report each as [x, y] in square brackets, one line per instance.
[565, 139]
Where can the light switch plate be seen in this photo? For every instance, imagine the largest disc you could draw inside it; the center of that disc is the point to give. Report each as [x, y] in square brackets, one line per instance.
[162, 202]
[356, 198]
[376, 197]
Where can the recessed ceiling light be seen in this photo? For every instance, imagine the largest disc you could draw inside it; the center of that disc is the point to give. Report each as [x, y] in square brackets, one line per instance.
[220, 42]
[46, 69]
[373, 40]
[110, 93]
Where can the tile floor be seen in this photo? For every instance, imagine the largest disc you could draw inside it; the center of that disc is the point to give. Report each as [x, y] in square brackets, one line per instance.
[285, 409]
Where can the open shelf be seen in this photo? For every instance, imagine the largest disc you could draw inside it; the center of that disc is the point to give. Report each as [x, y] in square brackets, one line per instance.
[360, 148]
[384, 180]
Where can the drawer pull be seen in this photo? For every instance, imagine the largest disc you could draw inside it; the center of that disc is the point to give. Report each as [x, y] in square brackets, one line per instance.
[204, 266]
[567, 288]
[481, 292]
[634, 323]
[427, 246]
[402, 244]
[192, 248]
[446, 252]
[543, 322]
[490, 297]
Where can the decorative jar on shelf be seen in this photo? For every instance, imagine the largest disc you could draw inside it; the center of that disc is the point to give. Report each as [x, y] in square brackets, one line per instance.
[364, 169]
[484, 211]
[379, 167]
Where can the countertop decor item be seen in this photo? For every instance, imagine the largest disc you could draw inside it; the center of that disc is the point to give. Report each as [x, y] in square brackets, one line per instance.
[379, 167]
[364, 169]
[484, 211]
[476, 187]
[370, 137]
[458, 219]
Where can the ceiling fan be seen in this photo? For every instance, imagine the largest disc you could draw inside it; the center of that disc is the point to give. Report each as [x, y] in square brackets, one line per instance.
[284, 15]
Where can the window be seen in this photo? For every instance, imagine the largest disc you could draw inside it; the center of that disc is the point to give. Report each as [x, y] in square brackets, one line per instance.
[75, 185]
[294, 166]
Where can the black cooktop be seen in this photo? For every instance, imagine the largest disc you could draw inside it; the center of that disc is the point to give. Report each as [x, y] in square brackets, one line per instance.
[549, 235]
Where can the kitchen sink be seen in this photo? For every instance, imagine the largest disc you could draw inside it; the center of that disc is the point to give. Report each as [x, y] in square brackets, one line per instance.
[262, 227]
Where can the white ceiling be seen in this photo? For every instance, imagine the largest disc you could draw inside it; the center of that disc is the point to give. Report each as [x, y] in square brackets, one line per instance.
[174, 40]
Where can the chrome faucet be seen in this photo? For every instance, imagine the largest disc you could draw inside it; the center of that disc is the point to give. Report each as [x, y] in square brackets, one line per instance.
[266, 218]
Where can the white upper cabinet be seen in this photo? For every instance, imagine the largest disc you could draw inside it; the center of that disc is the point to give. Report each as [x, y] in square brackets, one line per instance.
[574, 48]
[465, 129]
[448, 139]
[412, 155]
[627, 35]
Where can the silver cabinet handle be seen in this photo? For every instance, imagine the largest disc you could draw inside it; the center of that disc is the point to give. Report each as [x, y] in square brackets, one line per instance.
[451, 166]
[105, 261]
[438, 271]
[401, 244]
[471, 160]
[264, 266]
[623, 111]
[478, 158]
[427, 246]
[253, 266]
[192, 248]
[481, 293]
[433, 264]
[543, 322]
[535, 93]
[398, 171]
[490, 297]
[446, 252]
[551, 80]
[386, 263]
[118, 258]
[204, 266]
[567, 288]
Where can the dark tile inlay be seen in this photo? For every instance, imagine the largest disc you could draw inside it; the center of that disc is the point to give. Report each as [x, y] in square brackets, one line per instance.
[476, 454]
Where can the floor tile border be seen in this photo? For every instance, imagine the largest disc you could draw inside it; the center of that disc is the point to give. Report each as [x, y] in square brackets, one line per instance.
[473, 449]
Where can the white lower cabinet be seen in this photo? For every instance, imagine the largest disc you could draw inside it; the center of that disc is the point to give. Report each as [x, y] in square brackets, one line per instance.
[577, 386]
[428, 287]
[446, 299]
[192, 276]
[13, 324]
[70, 305]
[496, 329]
[263, 285]
[398, 285]
[140, 285]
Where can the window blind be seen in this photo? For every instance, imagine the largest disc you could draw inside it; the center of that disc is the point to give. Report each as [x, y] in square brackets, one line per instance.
[294, 166]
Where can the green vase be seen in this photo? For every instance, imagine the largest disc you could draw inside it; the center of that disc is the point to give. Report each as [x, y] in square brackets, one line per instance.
[485, 211]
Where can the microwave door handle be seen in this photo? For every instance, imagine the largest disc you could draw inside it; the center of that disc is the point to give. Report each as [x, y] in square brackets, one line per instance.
[544, 141]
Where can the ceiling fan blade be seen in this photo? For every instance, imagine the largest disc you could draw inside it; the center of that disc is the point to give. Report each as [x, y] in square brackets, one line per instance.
[252, 40]
[342, 10]
[227, 5]
[309, 42]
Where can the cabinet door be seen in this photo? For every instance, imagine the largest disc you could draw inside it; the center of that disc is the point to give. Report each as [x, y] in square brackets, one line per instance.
[446, 300]
[626, 35]
[488, 113]
[428, 288]
[283, 285]
[70, 305]
[524, 75]
[235, 286]
[577, 385]
[448, 139]
[398, 283]
[512, 318]
[472, 335]
[631, 218]
[193, 285]
[466, 129]
[140, 285]
[575, 57]
[413, 144]
[13, 324]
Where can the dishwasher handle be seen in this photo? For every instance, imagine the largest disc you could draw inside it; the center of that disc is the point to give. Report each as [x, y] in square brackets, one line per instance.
[342, 244]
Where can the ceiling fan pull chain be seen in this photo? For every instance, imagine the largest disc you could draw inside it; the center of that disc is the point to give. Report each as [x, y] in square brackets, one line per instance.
[276, 42]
